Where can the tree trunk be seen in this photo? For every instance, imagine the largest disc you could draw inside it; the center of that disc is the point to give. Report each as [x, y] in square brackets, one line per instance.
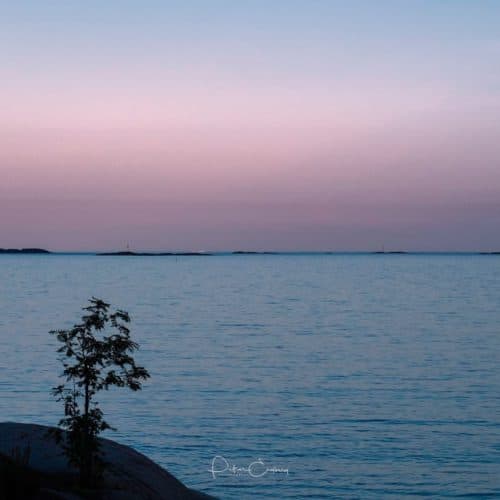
[86, 470]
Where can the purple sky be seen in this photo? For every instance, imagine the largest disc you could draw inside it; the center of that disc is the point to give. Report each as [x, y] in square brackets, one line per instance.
[293, 125]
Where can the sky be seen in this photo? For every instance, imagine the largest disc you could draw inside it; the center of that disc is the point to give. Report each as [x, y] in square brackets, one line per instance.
[250, 124]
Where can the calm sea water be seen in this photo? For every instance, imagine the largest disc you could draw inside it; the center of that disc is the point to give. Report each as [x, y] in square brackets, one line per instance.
[366, 376]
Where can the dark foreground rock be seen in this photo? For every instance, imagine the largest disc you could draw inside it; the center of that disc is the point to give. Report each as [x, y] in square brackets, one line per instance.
[33, 466]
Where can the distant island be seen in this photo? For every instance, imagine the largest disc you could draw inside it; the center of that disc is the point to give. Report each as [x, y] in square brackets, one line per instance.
[248, 252]
[128, 253]
[390, 252]
[23, 250]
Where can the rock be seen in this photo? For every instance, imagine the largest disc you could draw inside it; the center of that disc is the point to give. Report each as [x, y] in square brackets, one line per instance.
[129, 475]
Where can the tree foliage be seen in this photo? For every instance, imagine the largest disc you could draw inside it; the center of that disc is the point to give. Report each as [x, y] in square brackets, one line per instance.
[96, 354]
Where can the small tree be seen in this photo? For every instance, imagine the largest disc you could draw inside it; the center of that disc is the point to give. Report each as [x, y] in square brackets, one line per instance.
[96, 354]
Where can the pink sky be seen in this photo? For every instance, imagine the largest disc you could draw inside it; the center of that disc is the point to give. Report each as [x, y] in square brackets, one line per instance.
[243, 150]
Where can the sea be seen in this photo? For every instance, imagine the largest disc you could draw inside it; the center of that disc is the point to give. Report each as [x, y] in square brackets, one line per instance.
[345, 375]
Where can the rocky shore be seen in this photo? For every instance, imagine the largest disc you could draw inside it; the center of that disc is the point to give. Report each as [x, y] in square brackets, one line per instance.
[33, 466]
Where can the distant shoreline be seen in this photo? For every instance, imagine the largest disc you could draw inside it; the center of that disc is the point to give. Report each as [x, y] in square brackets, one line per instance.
[151, 254]
[236, 253]
[253, 252]
[24, 251]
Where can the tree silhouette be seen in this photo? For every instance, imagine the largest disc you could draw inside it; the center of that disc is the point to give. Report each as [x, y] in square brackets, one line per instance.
[96, 354]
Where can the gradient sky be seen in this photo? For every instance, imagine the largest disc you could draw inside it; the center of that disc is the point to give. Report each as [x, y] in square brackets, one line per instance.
[250, 124]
